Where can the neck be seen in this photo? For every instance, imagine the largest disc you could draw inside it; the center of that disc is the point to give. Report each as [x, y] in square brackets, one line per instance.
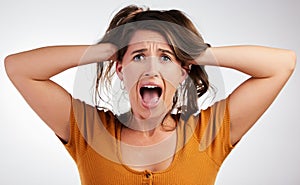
[145, 125]
[149, 127]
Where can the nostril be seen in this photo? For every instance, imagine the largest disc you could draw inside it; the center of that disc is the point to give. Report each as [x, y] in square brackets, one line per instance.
[151, 74]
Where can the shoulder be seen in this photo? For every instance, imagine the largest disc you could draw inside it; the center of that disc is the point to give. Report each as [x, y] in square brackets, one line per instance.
[86, 113]
[88, 125]
[216, 114]
[214, 124]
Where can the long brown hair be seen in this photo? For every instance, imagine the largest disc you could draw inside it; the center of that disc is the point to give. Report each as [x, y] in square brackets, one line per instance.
[183, 38]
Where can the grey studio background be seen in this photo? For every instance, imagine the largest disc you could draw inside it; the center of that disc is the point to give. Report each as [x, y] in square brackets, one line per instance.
[31, 154]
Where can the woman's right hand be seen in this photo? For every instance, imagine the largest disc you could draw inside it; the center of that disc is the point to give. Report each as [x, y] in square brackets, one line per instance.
[99, 53]
[30, 72]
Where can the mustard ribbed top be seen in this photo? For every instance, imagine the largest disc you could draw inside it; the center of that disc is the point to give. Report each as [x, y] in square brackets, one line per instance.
[202, 146]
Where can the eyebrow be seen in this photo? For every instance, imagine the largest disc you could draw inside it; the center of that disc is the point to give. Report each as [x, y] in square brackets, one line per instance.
[138, 51]
[166, 51]
[144, 49]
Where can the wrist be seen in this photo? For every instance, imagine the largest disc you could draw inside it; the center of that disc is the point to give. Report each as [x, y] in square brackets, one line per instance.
[98, 53]
[207, 57]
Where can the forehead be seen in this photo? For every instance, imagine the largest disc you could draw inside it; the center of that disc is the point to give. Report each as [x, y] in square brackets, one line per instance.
[147, 36]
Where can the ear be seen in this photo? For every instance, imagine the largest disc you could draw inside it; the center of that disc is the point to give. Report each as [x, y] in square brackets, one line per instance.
[184, 74]
[119, 68]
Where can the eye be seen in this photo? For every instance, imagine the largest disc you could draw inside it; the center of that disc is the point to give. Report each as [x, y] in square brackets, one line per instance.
[165, 59]
[138, 58]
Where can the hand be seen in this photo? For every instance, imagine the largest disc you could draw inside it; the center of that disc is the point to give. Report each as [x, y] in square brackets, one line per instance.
[206, 58]
[99, 53]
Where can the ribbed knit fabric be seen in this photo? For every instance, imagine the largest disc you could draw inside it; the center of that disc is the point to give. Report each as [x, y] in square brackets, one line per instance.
[205, 143]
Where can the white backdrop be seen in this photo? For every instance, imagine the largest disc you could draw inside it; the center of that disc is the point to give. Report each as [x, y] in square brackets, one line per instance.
[31, 154]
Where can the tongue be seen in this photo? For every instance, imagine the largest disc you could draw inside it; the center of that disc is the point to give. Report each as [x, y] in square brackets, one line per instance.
[150, 97]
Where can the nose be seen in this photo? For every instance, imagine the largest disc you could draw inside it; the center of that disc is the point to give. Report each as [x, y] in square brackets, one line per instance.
[151, 74]
[152, 69]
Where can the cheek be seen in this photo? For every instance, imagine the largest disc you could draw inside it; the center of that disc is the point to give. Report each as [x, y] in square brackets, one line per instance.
[131, 74]
[172, 74]
[169, 92]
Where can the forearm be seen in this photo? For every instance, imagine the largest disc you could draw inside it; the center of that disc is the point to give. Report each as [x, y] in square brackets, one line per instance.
[256, 61]
[43, 63]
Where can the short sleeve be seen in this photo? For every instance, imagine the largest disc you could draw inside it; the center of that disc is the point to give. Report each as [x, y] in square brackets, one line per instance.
[90, 128]
[214, 131]
[76, 144]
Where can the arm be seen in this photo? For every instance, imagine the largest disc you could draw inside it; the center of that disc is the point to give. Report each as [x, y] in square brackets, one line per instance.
[31, 71]
[269, 69]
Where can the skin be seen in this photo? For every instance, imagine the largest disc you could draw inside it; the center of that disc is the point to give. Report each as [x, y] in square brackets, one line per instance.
[31, 71]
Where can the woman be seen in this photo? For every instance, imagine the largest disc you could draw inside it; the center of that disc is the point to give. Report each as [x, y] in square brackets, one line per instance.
[159, 58]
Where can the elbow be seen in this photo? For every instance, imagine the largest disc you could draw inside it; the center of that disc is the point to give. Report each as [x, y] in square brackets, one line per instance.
[292, 61]
[12, 68]
[8, 64]
[286, 64]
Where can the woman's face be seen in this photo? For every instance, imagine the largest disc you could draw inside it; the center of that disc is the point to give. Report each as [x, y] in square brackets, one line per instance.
[150, 73]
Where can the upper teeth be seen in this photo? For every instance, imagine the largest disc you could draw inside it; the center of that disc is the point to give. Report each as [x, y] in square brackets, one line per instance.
[150, 86]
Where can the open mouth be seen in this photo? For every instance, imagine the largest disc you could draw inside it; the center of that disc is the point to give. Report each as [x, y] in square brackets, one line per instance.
[150, 95]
